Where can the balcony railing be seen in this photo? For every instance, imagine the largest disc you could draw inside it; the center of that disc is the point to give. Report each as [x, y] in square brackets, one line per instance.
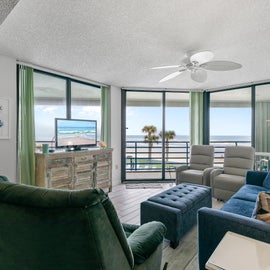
[139, 157]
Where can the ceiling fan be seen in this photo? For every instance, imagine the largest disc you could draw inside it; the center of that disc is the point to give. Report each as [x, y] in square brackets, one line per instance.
[198, 65]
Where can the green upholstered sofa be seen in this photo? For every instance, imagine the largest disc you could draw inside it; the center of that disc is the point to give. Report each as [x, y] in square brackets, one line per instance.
[50, 229]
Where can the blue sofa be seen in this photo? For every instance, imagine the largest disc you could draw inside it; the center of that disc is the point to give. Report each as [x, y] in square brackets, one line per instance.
[235, 216]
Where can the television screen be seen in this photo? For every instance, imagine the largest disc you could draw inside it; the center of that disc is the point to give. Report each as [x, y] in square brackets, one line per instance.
[75, 133]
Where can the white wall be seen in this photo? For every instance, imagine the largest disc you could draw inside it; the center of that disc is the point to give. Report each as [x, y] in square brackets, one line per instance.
[116, 134]
[8, 90]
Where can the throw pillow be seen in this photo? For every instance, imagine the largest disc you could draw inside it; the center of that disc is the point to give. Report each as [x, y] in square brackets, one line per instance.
[266, 181]
[262, 209]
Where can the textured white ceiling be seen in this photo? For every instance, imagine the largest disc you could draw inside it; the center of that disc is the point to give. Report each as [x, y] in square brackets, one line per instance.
[5, 8]
[117, 42]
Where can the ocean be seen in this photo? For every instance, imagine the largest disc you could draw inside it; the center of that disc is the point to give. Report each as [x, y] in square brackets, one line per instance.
[186, 138]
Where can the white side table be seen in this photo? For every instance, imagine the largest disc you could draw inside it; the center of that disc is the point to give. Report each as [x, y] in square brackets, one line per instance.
[238, 252]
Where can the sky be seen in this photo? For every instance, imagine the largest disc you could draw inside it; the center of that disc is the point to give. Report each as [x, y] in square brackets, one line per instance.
[223, 121]
[45, 118]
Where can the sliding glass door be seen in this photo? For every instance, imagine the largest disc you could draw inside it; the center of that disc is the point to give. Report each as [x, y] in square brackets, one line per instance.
[156, 134]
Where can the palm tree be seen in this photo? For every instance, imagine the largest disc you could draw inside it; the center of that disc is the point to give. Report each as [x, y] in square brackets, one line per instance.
[150, 138]
[169, 135]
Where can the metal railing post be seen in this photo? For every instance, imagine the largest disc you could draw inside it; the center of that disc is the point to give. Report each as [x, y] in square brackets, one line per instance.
[136, 156]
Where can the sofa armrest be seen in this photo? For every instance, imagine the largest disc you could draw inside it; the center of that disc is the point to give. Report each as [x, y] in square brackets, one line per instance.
[213, 224]
[255, 177]
[145, 240]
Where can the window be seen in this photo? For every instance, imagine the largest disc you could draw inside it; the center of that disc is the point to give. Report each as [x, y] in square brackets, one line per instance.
[262, 118]
[86, 103]
[50, 102]
[230, 115]
[230, 120]
[61, 97]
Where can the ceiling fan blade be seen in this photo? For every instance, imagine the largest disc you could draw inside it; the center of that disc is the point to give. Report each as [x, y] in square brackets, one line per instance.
[170, 76]
[202, 57]
[164, 67]
[220, 65]
[199, 75]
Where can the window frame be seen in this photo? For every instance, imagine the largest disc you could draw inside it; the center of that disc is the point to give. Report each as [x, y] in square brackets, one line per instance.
[68, 91]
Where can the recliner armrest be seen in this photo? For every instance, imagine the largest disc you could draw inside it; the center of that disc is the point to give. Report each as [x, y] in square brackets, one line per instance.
[129, 228]
[178, 170]
[145, 240]
[181, 168]
[206, 175]
[3, 178]
[215, 173]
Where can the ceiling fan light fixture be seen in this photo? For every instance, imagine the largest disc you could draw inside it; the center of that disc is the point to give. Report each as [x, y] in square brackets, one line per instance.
[198, 75]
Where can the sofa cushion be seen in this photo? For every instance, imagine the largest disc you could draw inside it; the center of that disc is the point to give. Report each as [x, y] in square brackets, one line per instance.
[266, 181]
[248, 192]
[239, 207]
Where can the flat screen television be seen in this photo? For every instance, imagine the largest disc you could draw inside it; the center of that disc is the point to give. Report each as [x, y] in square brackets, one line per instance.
[75, 134]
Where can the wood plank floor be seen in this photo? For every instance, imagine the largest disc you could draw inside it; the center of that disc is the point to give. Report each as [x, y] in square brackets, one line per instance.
[127, 204]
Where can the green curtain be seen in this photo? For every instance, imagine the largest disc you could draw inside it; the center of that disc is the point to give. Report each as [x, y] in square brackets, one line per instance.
[105, 115]
[196, 118]
[26, 130]
[262, 128]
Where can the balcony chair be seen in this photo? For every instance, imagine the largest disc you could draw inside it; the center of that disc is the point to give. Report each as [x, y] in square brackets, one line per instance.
[201, 164]
[237, 161]
[66, 230]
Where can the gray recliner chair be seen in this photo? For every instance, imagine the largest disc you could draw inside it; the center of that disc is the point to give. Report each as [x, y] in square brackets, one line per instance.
[237, 161]
[201, 164]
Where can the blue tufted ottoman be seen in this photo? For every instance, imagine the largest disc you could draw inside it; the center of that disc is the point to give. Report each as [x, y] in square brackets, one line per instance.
[177, 209]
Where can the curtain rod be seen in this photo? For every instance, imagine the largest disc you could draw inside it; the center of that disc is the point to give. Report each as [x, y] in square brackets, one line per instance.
[64, 74]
